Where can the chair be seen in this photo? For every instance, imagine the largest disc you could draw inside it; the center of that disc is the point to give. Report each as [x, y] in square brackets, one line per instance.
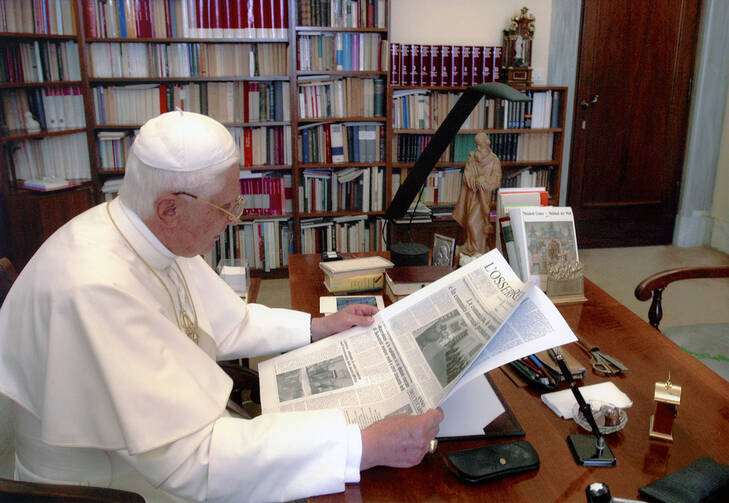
[709, 342]
[7, 276]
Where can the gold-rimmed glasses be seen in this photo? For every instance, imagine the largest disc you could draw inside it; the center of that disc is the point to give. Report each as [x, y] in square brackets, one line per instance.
[233, 216]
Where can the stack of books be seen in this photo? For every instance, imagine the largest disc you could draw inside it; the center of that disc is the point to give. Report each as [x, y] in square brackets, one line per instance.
[402, 281]
[354, 275]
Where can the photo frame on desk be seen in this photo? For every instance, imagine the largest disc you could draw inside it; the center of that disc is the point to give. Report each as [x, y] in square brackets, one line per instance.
[444, 249]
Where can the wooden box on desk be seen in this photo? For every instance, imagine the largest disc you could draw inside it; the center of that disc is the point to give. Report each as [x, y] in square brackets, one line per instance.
[402, 281]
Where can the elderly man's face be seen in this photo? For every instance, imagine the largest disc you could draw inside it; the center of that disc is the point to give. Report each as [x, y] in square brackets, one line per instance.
[202, 224]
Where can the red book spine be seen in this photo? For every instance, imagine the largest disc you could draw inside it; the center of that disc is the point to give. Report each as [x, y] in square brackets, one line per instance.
[466, 63]
[247, 147]
[414, 64]
[258, 18]
[434, 70]
[395, 64]
[488, 62]
[90, 18]
[138, 19]
[267, 18]
[477, 66]
[445, 65]
[424, 73]
[285, 19]
[162, 98]
[328, 142]
[225, 18]
[405, 64]
[148, 19]
[371, 13]
[496, 72]
[455, 79]
[168, 20]
[234, 18]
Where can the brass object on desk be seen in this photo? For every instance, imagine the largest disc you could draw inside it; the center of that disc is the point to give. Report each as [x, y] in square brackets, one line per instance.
[565, 281]
[668, 397]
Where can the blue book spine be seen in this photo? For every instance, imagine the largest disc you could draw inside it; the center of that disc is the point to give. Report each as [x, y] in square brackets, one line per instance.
[123, 20]
[305, 145]
[173, 17]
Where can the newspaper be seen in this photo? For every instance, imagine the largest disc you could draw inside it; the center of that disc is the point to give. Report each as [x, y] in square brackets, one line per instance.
[417, 349]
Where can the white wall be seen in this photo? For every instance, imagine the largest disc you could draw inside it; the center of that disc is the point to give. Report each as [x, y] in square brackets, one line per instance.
[720, 208]
[468, 22]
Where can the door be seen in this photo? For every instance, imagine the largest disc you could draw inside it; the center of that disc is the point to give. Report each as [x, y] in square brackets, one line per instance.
[631, 113]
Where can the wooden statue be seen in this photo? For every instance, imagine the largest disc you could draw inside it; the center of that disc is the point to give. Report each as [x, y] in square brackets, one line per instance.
[481, 176]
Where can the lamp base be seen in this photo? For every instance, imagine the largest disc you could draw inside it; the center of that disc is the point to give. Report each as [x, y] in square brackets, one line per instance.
[584, 450]
[403, 254]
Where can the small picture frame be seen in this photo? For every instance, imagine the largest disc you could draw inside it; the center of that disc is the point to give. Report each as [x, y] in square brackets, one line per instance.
[444, 248]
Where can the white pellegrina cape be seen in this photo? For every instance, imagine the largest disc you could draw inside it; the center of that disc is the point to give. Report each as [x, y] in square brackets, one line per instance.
[102, 376]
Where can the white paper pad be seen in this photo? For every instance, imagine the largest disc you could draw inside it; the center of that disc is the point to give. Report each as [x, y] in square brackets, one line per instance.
[469, 409]
[562, 402]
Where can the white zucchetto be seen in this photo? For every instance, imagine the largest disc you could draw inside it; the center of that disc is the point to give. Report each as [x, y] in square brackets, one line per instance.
[185, 141]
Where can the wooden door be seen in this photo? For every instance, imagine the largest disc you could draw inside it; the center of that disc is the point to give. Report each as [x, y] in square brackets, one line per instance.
[631, 112]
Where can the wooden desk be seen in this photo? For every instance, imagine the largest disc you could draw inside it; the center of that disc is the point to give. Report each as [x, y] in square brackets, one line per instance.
[701, 428]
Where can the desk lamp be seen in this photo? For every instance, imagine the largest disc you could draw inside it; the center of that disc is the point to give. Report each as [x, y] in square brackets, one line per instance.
[588, 450]
[415, 253]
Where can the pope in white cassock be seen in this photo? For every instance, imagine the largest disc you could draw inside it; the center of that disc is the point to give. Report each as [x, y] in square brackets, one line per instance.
[109, 336]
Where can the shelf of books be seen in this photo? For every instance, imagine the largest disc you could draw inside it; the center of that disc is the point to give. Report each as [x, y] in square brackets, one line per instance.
[341, 114]
[45, 172]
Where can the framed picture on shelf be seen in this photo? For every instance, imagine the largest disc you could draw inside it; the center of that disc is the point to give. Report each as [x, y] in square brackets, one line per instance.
[444, 248]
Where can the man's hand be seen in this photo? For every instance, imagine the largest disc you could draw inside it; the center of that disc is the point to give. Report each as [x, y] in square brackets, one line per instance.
[400, 441]
[348, 317]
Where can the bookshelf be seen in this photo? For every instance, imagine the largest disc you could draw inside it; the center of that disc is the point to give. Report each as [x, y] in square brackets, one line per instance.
[307, 90]
[528, 138]
[43, 75]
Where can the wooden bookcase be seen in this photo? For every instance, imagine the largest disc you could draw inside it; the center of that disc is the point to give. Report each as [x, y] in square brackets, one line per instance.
[31, 216]
[43, 62]
[520, 167]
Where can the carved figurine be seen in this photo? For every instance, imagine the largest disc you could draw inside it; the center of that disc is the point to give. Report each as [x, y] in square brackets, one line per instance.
[481, 176]
[31, 125]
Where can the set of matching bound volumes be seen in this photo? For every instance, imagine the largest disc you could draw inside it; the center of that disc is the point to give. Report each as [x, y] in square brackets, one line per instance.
[53, 109]
[529, 176]
[259, 19]
[58, 157]
[39, 61]
[443, 65]
[347, 97]
[341, 143]
[152, 60]
[224, 101]
[324, 52]
[342, 13]
[49, 17]
[355, 233]
[410, 146]
[266, 193]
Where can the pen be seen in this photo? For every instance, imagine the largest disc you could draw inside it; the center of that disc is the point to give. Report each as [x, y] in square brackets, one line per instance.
[543, 370]
[526, 370]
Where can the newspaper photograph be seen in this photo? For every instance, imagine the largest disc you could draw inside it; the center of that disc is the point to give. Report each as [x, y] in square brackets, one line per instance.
[413, 354]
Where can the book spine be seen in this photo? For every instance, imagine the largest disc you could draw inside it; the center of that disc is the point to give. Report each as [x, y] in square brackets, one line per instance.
[496, 71]
[354, 283]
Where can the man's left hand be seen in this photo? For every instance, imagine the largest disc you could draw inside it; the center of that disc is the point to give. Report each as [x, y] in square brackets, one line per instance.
[348, 317]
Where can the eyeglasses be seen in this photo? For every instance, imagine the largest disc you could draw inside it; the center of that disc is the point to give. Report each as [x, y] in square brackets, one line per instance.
[233, 216]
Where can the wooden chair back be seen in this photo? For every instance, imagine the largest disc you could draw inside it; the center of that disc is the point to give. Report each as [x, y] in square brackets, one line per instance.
[7, 277]
[652, 286]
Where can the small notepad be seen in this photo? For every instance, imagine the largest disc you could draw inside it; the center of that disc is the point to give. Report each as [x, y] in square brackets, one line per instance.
[562, 402]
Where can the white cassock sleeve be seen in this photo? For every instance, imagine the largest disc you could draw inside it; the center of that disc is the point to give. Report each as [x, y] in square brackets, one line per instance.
[277, 457]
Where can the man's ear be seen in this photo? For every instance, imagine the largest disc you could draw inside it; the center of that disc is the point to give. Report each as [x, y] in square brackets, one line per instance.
[166, 210]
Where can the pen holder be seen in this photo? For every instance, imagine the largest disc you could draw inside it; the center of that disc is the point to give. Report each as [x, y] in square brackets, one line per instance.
[608, 417]
[534, 378]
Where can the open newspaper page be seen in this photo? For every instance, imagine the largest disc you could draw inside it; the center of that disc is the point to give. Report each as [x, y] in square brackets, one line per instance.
[408, 360]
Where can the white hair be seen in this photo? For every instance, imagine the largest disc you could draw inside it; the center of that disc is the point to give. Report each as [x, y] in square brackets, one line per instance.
[143, 184]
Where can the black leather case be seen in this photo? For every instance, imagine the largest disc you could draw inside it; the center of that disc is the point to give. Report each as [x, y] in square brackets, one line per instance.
[703, 481]
[493, 461]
